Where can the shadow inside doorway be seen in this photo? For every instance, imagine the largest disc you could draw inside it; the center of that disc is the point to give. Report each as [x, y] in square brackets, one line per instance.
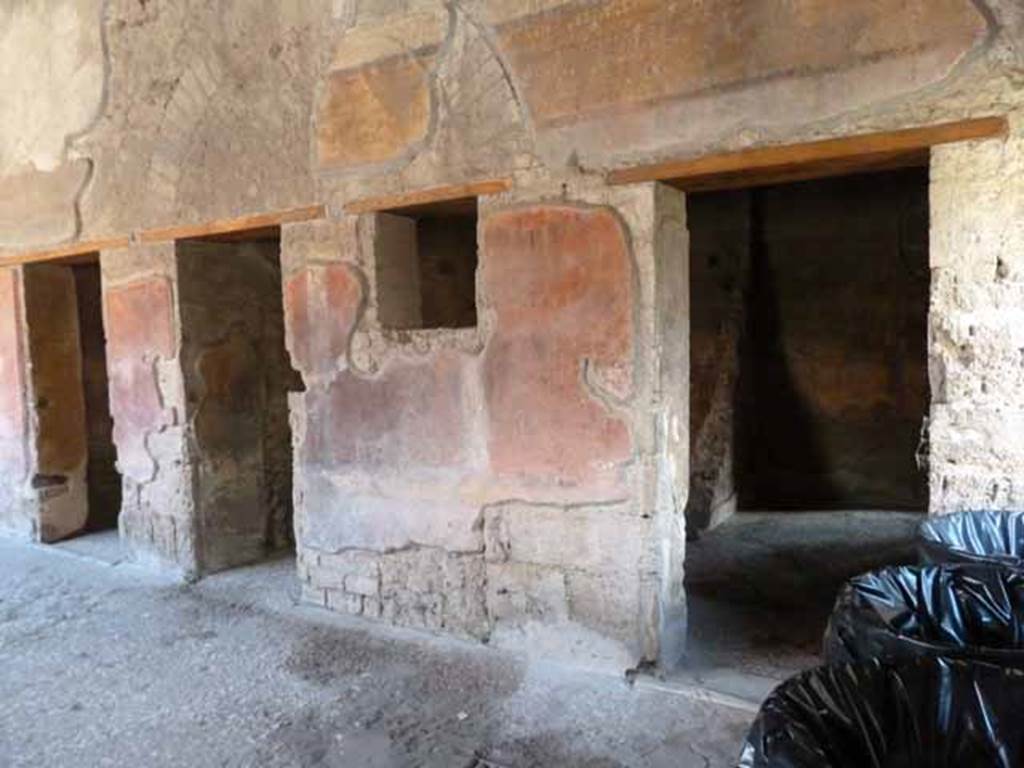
[760, 587]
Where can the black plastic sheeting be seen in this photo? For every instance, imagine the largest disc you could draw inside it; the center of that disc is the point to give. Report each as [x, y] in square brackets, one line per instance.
[931, 713]
[900, 613]
[985, 536]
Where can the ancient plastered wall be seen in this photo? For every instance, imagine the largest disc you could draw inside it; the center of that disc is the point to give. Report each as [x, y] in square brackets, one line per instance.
[568, 291]
[147, 402]
[616, 74]
[53, 65]
[127, 109]
[976, 334]
[197, 92]
[18, 512]
[485, 480]
[288, 104]
[574, 87]
[667, 485]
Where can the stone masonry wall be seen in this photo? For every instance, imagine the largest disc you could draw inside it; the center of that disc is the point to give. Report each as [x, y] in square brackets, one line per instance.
[125, 110]
[198, 381]
[976, 335]
[668, 483]
[478, 480]
[147, 401]
[435, 469]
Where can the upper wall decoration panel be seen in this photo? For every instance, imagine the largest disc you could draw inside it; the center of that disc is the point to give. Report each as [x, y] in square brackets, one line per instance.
[599, 79]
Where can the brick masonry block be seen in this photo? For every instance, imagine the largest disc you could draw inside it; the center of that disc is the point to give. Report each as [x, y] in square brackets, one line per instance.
[362, 585]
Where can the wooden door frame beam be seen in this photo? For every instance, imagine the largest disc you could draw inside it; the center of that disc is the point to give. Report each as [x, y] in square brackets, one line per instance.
[815, 159]
[210, 229]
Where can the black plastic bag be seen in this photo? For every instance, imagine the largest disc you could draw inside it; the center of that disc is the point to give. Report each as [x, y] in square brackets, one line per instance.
[931, 713]
[986, 536]
[900, 613]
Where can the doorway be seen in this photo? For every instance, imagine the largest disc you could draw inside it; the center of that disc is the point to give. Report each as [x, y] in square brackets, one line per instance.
[102, 477]
[237, 376]
[76, 475]
[809, 402]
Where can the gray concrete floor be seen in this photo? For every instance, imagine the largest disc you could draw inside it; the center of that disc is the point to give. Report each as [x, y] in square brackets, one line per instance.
[761, 586]
[104, 665]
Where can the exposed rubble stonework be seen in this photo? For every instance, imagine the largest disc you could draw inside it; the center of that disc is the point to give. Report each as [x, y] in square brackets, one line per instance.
[720, 272]
[520, 473]
[976, 347]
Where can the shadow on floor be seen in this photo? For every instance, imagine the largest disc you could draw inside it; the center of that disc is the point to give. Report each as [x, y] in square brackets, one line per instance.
[760, 587]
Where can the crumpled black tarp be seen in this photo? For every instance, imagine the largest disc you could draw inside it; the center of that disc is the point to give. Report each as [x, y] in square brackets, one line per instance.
[900, 613]
[930, 713]
[985, 536]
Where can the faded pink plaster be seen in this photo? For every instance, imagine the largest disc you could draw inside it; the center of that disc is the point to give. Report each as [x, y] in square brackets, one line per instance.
[13, 459]
[321, 304]
[409, 416]
[560, 280]
[140, 330]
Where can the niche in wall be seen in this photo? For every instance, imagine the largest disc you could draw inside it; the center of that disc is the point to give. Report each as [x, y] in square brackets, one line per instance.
[426, 260]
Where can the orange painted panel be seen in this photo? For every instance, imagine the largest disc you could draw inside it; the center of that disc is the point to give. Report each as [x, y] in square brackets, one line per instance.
[561, 282]
[586, 59]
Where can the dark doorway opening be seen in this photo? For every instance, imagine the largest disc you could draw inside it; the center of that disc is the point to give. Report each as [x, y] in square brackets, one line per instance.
[102, 477]
[237, 379]
[809, 394]
[808, 346]
[76, 476]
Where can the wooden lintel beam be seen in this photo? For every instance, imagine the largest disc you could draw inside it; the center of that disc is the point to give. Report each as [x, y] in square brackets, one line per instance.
[814, 159]
[428, 196]
[67, 252]
[257, 223]
[218, 227]
[750, 167]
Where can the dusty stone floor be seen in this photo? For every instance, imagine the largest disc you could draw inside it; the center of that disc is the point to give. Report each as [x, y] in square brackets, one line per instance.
[761, 586]
[103, 665]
